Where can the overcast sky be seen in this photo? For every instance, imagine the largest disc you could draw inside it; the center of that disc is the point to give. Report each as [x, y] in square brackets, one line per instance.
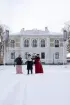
[30, 14]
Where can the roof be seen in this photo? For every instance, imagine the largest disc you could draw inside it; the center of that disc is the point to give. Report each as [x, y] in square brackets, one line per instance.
[35, 32]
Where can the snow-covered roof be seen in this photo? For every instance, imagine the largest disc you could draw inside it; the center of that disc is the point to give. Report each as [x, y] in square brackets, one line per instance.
[36, 32]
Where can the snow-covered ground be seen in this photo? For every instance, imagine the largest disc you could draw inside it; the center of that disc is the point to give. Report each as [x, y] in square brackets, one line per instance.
[50, 88]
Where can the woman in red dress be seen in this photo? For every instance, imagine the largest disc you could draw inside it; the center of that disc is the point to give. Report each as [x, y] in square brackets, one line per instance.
[38, 65]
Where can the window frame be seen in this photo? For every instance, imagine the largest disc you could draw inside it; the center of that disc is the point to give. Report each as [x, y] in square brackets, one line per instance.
[43, 56]
[26, 43]
[56, 43]
[12, 55]
[57, 55]
[42, 42]
[26, 55]
[34, 43]
[12, 43]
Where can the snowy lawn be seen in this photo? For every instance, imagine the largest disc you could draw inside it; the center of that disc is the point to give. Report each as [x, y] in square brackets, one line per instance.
[50, 88]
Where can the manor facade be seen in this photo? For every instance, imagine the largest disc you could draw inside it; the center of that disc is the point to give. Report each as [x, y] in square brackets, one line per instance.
[48, 44]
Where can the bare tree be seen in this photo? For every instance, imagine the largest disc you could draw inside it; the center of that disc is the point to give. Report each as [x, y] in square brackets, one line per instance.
[1, 45]
[67, 27]
[4, 36]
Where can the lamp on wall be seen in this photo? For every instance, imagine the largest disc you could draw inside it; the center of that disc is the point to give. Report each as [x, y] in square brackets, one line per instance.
[65, 35]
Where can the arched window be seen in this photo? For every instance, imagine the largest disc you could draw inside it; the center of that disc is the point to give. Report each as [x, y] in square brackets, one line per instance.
[34, 43]
[26, 43]
[42, 43]
[12, 43]
[56, 43]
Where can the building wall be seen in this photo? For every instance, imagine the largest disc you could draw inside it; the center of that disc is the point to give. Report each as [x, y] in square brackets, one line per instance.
[49, 51]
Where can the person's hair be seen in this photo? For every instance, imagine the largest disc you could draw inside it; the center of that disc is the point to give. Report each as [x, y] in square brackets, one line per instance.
[19, 55]
[29, 55]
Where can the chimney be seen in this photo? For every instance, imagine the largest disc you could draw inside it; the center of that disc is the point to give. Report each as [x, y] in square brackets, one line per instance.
[46, 29]
[22, 30]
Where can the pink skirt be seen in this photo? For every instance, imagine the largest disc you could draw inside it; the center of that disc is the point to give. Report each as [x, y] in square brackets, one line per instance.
[19, 69]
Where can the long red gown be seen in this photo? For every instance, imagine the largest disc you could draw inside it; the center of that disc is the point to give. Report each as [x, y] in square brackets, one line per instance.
[38, 66]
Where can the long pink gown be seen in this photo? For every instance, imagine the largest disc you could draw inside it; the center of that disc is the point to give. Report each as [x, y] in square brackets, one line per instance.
[19, 69]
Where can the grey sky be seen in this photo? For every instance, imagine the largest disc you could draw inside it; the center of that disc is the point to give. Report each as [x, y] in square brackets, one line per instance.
[34, 14]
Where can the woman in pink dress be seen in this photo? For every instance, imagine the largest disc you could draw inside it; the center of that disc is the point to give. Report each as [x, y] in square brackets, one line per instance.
[18, 61]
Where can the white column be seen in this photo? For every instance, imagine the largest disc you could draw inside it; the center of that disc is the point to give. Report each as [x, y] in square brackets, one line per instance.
[48, 48]
[21, 46]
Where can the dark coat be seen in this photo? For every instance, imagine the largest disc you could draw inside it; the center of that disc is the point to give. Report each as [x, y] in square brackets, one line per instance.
[18, 61]
[38, 66]
[29, 65]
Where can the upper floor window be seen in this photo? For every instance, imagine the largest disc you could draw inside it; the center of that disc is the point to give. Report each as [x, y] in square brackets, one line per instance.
[26, 43]
[57, 55]
[42, 43]
[56, 43]
[12, 43]
[13, 55]
[34, 43]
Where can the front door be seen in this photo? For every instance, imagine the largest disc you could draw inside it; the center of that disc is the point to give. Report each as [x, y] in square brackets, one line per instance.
[1, 60]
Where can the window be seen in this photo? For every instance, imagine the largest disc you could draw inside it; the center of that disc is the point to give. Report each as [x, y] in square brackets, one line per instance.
[26, 55]
[12, 43]
[56, 43]
[57, 55]
[42, 43]
[13, 55]
[26, 43]
[42, 55]
[34, 43]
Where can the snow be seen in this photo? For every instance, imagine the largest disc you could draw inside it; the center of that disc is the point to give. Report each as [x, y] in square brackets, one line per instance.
[50, 88]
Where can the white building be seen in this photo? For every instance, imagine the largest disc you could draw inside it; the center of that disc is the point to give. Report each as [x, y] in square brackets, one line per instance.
[49, 45]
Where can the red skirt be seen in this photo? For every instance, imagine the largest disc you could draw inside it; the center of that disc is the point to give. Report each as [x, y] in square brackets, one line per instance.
[19, 69]
[38, 68]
